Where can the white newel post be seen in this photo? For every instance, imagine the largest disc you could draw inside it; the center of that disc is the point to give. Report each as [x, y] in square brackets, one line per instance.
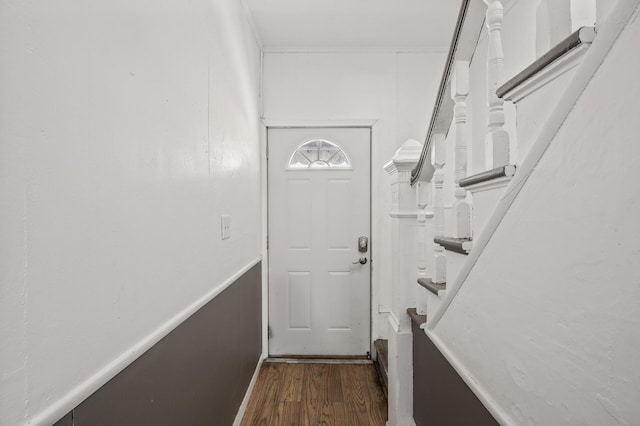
[403, 258]
[459, 92]
[497, 139]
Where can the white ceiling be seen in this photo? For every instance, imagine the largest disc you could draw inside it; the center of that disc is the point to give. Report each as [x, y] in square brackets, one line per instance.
[311, 25]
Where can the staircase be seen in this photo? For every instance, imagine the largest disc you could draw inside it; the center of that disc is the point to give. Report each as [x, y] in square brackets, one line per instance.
[467, 176]
[455, 206]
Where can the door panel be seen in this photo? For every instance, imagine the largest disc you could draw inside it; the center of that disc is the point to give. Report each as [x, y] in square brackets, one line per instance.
[319, 301]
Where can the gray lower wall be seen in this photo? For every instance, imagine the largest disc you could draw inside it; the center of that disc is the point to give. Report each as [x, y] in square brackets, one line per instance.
[196, 375]
[440, 396]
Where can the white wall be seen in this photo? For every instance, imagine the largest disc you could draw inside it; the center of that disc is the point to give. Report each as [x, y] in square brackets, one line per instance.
[548, 321]
[603, 8]
[395, 89]
[127, 128]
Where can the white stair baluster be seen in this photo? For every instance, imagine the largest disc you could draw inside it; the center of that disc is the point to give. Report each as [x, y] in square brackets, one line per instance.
[423, 244]
[459, 92]
[439, 158]
[497, 139]
[440, 267]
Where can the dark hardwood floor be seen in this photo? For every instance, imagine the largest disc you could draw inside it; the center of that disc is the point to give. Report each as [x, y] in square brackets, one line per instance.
[307, 394]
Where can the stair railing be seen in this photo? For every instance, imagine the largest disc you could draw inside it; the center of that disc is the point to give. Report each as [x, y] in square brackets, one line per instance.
[608, 33]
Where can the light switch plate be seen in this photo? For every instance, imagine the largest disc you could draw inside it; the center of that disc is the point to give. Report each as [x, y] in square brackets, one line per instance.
[225, 226]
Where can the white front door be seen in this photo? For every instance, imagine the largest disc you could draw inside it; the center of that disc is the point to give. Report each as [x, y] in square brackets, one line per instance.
[319, 207]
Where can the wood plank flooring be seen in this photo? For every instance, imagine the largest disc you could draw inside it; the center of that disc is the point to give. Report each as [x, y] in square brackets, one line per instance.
[310, 394]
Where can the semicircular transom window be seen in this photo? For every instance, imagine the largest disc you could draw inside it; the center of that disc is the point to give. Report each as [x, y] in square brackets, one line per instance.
[319, 153]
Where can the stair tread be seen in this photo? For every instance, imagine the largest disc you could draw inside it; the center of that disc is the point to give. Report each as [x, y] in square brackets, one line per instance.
[431, 286]
[454, 244]
[382, 348]
[584, 35]
[416, 317]
[382, 362]
[488, 175]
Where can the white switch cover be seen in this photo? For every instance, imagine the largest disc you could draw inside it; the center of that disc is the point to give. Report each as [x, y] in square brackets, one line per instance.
[225, 224]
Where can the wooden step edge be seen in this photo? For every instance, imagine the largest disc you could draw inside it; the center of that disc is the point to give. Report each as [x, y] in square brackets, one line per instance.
[416, 318]
[584, 36]
[382, 350]
[381, 363]
[431, 286]
[457, 245]
[489, 175]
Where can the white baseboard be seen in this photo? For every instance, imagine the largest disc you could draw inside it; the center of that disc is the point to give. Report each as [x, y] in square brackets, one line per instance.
[247, 395]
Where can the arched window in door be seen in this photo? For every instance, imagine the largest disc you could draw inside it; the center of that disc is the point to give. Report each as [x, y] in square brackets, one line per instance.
[319, 153]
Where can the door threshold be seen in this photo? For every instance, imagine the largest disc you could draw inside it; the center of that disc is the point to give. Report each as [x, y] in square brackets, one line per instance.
[319, 360]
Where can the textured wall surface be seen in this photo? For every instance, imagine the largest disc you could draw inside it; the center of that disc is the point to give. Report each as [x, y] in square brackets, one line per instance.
[126, 129]
[548, 320]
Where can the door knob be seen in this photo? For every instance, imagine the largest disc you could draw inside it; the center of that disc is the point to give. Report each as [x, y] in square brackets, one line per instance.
[362, 261]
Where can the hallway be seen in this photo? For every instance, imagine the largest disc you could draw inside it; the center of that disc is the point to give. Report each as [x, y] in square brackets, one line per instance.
[316, 394]
[188, 188]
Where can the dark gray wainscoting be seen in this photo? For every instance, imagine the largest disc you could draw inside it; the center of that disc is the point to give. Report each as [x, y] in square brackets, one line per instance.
[196, 375]
[440, 396]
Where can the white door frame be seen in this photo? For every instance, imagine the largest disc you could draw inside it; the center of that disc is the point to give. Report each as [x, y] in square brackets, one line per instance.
[270, 123]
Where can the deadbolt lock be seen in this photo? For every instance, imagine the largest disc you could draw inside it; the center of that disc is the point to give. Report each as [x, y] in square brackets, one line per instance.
[363, 244]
